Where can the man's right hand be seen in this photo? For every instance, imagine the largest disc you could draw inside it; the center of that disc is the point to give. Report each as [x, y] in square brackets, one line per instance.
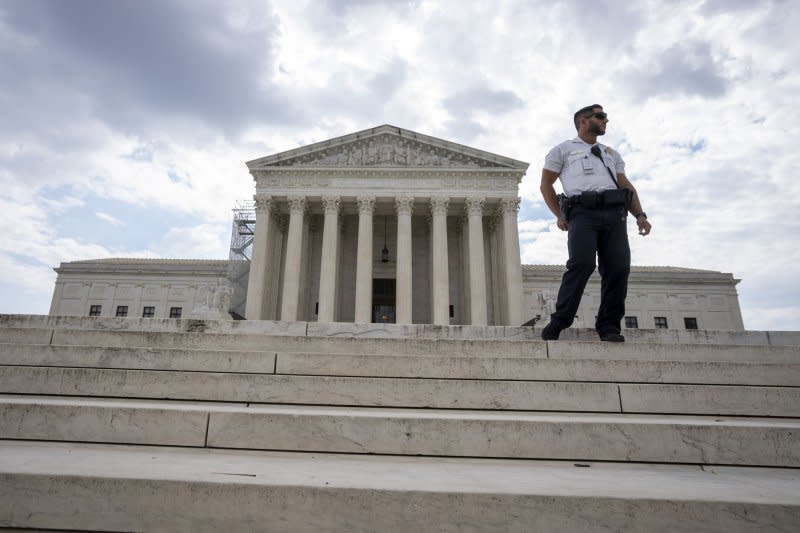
[561, 224]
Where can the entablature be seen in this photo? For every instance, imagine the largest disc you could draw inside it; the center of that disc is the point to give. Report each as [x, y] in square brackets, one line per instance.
[387, 182]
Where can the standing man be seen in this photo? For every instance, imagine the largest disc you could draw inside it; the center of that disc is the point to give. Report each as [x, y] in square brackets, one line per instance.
[593, 209]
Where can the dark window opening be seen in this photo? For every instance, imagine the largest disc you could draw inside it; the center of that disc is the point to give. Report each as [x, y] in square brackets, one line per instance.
[95, 310]
[690, 322]
[122, 310]
[384, 292]
[661, 322]
[148, 311]
[631, 322]
[452, 311]
[175, 312]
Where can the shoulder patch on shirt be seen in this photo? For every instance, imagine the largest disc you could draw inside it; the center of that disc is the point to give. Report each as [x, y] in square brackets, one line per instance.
[575, 152]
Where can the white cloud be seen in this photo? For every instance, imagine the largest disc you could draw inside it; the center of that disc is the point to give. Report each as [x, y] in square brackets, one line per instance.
[772, 318]
[204, 241]
[108, 218]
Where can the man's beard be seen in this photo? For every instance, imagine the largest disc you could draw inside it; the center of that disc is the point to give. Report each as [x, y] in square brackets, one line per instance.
[596, 129]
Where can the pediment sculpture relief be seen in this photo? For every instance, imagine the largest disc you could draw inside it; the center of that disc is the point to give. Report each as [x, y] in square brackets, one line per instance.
[387, 151]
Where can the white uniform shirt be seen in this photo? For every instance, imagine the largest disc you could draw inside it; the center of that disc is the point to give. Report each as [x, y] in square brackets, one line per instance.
[579, 170]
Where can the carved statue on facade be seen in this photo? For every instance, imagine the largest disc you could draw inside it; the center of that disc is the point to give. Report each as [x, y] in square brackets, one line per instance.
[389, 151]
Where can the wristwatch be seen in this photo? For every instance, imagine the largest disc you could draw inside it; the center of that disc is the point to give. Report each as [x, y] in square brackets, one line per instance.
[642, 214]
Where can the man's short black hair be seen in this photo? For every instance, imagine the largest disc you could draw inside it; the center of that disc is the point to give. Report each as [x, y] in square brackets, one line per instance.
[584, 111]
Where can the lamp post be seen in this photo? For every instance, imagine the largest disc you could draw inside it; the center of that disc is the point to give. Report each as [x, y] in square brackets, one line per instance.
[385, 251]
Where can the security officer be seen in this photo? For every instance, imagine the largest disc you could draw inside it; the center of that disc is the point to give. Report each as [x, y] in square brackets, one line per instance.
[593, 209]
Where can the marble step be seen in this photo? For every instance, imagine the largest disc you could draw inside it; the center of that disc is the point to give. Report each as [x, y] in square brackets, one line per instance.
[521, 435]
[734, 400]
[10, 335]
[317, 390]
[421, 331]
[262, 362]
[164, 423]
[131, 488]
[463, 367]
[349, 345]
[555, 368]
[398, 346]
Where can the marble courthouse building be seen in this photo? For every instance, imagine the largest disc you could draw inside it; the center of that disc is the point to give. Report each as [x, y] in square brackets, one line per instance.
[385, 225]
[445, 214]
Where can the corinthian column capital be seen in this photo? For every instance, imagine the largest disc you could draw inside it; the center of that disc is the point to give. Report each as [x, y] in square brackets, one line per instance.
[474, 206]
[297, 203]
[439, 205]
[331, 204]
[263, 203]
[509, 205]
[366, 204]
[404, 205]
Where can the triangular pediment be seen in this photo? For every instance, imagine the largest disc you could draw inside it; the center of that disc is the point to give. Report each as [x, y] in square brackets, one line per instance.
[387, 146]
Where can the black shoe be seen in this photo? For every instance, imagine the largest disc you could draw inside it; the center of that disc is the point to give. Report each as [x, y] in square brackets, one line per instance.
[612, 337]
[550, 332]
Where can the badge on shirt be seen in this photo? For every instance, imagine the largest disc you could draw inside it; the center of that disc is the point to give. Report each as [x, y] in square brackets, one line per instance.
[588, 166]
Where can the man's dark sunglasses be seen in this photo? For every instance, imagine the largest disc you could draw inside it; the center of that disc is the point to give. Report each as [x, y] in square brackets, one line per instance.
[600, 115]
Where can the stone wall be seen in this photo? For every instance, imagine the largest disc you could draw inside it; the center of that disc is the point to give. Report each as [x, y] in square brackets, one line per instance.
[672, 293]
[197, 287]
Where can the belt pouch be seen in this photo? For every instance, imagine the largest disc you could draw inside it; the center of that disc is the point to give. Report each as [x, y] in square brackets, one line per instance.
[617, 197]
[590, 199]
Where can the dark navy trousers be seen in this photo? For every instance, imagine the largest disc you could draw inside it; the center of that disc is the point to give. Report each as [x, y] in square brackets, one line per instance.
[596, 234]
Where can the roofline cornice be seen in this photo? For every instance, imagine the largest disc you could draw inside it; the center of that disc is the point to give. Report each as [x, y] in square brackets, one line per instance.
[215, 268]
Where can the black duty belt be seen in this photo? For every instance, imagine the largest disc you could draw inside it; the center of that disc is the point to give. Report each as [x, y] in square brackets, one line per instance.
[597, 199]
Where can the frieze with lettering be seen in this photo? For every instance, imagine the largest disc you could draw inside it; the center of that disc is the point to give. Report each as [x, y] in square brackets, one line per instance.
[389, 184]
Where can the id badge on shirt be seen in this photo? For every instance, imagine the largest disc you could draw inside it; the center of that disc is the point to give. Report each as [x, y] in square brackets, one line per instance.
[588, 166]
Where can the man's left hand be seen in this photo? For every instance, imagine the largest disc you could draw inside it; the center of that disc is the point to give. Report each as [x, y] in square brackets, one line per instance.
[644, 226]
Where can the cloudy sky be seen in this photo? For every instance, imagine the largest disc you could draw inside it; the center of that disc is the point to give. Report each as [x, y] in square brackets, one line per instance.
[124, 126]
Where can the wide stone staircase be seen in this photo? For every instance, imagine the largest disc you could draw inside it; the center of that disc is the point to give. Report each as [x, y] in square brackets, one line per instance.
[186, 425]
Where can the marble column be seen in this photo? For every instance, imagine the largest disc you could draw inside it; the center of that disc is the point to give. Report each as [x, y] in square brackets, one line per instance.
[404, 206]
[366, 207]
[441, 277]
[463, 261]
[329, 266]
[495, 271]
[280, 224]
[294, 255]
[429, 269]
[303, 311]
[257, 280]
[513, 264]
[477, 271]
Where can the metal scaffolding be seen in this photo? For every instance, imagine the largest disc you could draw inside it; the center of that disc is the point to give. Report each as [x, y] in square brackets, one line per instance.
[242, 233]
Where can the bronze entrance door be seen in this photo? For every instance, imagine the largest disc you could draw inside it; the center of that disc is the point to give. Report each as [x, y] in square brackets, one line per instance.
[383, 301]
